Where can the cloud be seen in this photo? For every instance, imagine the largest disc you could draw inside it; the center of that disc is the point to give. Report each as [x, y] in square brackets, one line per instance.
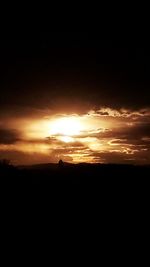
[110, 135]
[122, 112]
[92, 133]
[133, 133]
[119, 157]
[8, 136]
[20, 158]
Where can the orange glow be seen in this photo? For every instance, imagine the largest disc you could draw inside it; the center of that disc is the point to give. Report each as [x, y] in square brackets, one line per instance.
[79, 138]
[68, 126]
[66, 139]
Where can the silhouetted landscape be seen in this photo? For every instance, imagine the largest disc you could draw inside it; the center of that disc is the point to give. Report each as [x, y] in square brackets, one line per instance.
[67, 181]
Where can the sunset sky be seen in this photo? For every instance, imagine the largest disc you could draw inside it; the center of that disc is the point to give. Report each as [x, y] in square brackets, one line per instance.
[75, 96]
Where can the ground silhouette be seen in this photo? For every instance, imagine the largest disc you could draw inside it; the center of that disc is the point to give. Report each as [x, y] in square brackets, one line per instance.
[104, 191]
[65, 175]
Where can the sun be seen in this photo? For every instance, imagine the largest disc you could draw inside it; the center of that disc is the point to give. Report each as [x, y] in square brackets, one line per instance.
[66, 127]
[66, 139]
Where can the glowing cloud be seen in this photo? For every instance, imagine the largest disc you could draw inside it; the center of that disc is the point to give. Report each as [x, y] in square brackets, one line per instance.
[104, 135]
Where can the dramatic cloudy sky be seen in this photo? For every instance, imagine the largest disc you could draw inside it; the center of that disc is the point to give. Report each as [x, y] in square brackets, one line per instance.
[75, 96]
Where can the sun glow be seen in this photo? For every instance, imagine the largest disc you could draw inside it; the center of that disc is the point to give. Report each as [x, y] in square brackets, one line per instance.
[66, 139]
[66, 126]
[97, 136]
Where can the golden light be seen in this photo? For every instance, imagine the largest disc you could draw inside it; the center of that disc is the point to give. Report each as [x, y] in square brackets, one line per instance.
[66, 126]
[66, 139]
[43, 136]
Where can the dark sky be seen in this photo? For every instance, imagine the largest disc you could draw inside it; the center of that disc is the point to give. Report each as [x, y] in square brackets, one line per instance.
[72, 68]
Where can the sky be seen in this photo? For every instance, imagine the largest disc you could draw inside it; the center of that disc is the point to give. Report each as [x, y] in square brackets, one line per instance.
[75, 96]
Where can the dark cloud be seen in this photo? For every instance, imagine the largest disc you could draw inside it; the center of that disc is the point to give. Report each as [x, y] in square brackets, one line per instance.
[110, 157]
[103, 113]
[141, 130]
[21, 158]
[130, 133]
[8, 136]
[139, 157]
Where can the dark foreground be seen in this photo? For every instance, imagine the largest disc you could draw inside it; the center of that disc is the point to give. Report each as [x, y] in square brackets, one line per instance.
[79, 204]
[53, 182]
